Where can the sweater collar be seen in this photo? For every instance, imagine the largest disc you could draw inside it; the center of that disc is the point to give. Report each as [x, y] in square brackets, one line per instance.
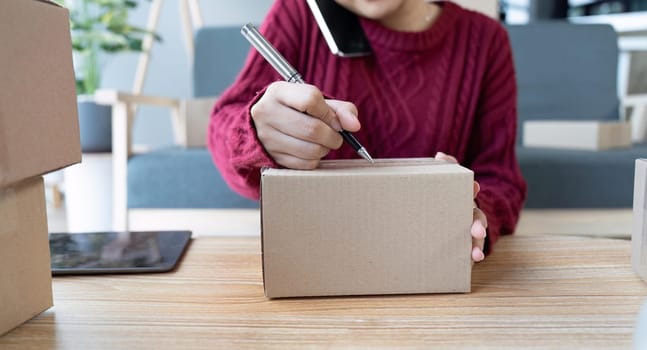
[413, 41]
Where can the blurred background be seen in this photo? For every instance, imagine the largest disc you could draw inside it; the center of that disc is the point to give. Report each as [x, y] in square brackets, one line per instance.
[169, 74]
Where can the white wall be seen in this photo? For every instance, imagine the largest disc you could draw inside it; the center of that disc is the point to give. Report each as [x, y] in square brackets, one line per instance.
[488, 7]
[169, 72]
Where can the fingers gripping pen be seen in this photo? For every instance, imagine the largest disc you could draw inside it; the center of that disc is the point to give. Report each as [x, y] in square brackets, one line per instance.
[291, 75]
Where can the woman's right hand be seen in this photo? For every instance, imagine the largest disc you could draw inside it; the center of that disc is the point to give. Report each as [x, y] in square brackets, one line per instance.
[298, 126]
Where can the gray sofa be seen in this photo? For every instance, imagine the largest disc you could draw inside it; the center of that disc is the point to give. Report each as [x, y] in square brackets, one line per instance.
[569, 72]
[179, 177]
[564, 71]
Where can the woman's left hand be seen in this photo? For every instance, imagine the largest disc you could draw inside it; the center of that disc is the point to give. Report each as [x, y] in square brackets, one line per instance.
[479, 221]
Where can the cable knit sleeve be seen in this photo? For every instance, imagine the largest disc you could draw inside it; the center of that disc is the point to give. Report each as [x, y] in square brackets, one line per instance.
[232, 139]
[491, 153]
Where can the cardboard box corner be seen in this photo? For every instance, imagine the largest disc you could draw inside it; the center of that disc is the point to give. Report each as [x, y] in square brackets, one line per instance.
[39, 130]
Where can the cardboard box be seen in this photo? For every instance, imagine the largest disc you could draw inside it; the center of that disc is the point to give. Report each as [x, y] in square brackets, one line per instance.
[39, 133]
[353, 228]
[639, 234]
[39, 129]
[577, 135]
[25, 273]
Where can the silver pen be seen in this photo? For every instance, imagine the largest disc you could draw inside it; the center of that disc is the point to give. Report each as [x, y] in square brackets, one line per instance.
[291, 75]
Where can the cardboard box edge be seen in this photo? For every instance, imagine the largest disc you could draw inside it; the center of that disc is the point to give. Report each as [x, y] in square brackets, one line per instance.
[263, 172]
[465, 288]
[44, 305]
[640, 186]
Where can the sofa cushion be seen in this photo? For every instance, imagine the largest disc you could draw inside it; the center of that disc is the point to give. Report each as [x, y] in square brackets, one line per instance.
[179, 178]
[579, 179]
[187, 178]
[219, 55]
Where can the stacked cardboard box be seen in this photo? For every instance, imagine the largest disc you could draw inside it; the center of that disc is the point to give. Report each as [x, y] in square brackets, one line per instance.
[588, 135]
[350, 228]
[39, 133]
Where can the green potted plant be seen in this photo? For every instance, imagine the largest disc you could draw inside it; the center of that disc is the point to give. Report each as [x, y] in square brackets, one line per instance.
[99, 28]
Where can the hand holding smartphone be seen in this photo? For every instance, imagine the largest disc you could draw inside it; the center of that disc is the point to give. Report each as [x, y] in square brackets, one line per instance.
[341, 29]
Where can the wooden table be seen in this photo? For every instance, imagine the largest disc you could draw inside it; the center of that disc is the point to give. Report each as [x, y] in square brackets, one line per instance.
[534, 292]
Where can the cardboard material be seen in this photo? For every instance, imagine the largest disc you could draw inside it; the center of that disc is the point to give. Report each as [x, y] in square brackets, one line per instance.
[351, 228]
[639, 234]
[26, 281]
[577, 135]
[39, 133]
[39, 129]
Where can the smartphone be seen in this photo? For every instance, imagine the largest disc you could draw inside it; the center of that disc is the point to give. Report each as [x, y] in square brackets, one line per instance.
[340, 28]
[116, 252]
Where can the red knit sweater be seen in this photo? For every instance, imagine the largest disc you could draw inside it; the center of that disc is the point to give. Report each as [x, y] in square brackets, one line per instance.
[450, 88]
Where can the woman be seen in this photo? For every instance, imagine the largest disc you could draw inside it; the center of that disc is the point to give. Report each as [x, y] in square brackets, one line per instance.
[440, 81]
